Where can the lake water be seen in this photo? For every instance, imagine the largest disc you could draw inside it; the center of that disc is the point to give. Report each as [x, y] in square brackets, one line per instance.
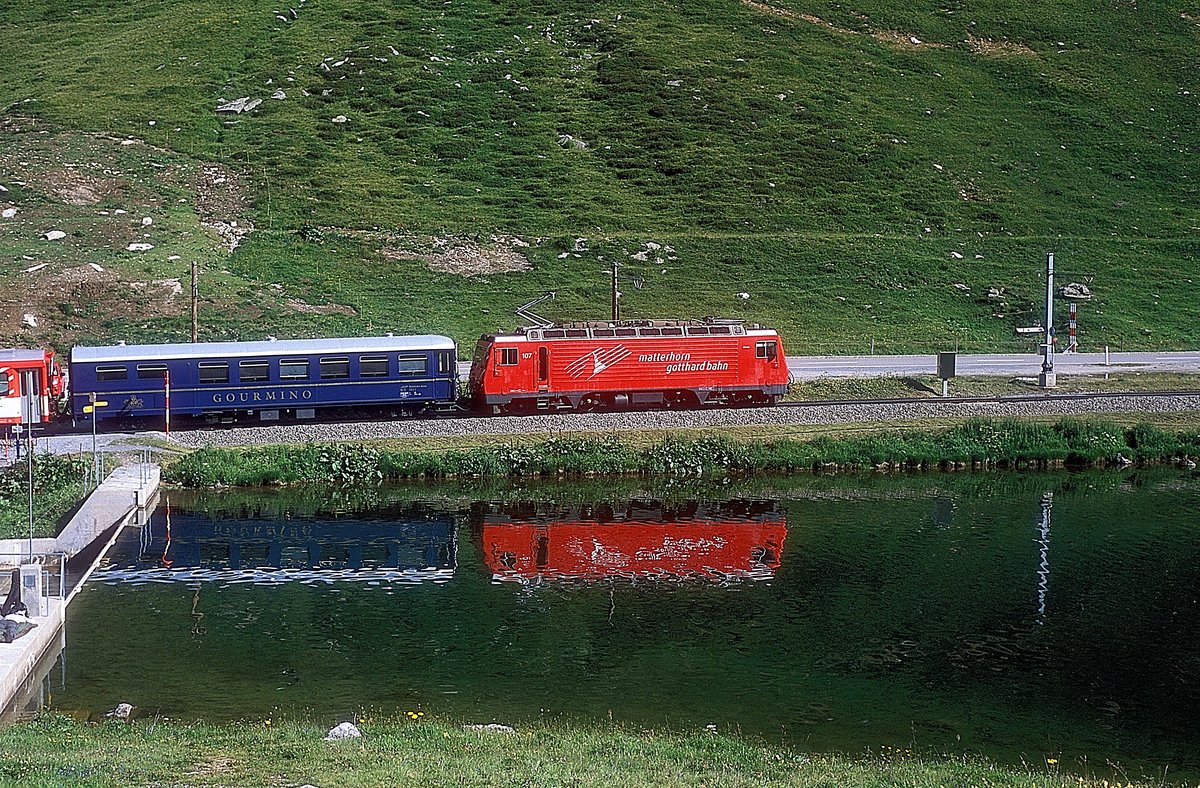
[1020, 616]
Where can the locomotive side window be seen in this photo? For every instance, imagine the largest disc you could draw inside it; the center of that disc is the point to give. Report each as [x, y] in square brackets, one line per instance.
[213, 372]
[576, 333]
[672, 332]
[555, 334]
[720, 329]
[508, 356]
[627, 332]
[767, 350]
[372, 366]
[650, 332]
[151, 371]
[698, 331]
[112, 373]
[413, 365]
[335, 367]
[603, 332]
[293, 369]
[253, 371]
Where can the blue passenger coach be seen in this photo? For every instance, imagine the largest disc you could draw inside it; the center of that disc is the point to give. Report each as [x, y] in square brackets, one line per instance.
[266, 380]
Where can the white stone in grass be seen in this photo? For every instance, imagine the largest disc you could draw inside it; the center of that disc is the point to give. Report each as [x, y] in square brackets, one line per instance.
[147, 221]
[339, 119]
[53, 235]
[346, 730]
[8, 213]
[28, 320]
[490, 728]
[139, 247]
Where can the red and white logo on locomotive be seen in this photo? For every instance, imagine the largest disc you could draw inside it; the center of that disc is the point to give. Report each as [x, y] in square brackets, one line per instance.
[593, 363]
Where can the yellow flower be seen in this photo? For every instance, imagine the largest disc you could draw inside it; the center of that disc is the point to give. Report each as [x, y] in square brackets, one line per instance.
[1052, 761]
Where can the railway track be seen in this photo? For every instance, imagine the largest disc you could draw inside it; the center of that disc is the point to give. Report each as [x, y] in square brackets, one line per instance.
[785, 416]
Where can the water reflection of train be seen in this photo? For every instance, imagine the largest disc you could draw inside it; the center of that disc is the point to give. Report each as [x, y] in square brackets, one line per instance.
[730, 540]
[399, 543]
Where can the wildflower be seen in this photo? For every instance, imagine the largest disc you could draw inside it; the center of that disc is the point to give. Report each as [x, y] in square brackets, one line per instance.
[1052, 761]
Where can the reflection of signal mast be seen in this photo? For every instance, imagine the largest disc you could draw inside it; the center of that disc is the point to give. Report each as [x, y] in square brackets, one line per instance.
[1043, 541]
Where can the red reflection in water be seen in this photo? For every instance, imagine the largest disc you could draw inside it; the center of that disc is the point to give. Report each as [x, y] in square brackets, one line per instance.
[644, 540]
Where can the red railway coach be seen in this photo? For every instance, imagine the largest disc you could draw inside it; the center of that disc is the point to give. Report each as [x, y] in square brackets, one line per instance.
[664, 363]
[31, 386]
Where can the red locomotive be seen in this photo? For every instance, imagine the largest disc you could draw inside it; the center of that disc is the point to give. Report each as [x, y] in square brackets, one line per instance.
[659, 363]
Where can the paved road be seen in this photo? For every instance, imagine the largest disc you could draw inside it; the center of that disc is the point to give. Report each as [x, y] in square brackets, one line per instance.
[1001, 364]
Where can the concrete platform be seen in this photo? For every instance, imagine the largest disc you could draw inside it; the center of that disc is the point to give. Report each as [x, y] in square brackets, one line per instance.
[124, 497]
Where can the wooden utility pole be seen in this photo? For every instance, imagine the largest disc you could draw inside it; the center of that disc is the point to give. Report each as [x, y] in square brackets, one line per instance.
[616, 295]
[195, 300]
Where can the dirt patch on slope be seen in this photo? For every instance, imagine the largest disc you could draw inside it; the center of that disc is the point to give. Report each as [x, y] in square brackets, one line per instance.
[893, 38]
[466, 258]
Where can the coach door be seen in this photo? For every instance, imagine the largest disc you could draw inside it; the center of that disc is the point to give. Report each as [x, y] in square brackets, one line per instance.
[32, 410]
[543, 368]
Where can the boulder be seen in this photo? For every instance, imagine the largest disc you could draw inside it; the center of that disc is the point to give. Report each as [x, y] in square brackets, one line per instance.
[346, 730]
[490, 728]
[28, 321]
[1076, 292]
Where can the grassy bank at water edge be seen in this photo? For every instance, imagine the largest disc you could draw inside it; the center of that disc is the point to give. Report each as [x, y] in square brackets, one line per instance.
[978, 441]
[59, 751]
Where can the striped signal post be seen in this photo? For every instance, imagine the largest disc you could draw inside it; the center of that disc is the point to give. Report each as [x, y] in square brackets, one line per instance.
[1072, 326]
[167, 398]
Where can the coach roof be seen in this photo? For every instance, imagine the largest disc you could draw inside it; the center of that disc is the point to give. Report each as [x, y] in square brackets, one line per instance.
[283, 347]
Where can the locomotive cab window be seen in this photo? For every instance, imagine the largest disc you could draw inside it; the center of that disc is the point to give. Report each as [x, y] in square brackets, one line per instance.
[508, 356]
[372, 366]
[213, 372]
[253, 371]
[767, 350]
[413, 365]
[112, 373]
[151, 371]
[335, 367]
[293, 369]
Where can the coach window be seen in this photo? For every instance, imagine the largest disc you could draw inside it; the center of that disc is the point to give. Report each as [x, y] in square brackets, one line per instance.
[412, 365]
[508, 356]
[372, 366]
[444, 365]
[765, 350]
[335, 367]
[293, 369]
[151, 371]
[112, 373]
[213, 372]
[253, 371]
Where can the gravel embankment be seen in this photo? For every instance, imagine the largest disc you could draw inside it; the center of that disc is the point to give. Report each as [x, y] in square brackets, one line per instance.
[616, 422]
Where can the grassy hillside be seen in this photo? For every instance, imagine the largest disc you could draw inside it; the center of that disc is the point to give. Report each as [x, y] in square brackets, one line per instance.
[864, 171]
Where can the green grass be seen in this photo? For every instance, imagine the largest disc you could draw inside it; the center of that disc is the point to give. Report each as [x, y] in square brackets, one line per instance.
[976, 442]
[58, 751]
[844, 177]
